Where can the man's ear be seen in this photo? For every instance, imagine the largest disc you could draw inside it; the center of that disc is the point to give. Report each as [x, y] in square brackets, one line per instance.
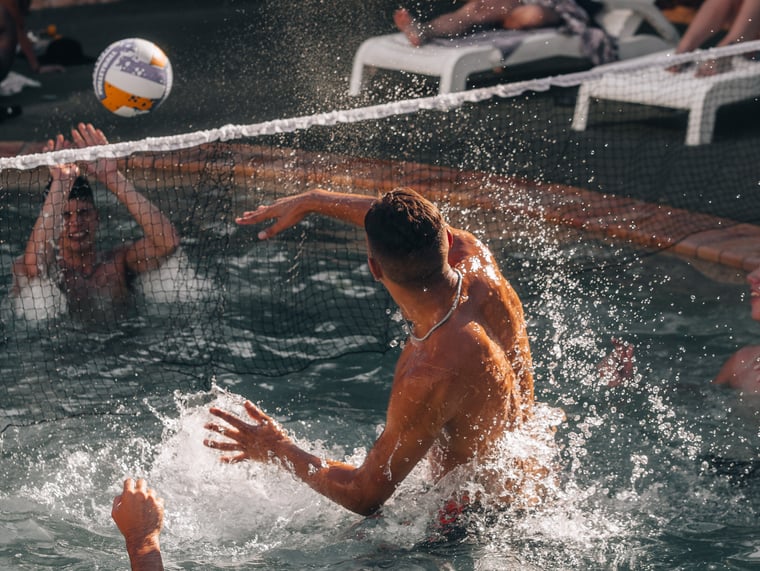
[449, 236]
[374, 268]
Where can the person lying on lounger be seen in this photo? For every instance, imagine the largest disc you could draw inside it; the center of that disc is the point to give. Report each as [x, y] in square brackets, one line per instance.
[741, 371]
[62, 247]
[13, 37]
[741, 18]
[510, 15]
[13, 34]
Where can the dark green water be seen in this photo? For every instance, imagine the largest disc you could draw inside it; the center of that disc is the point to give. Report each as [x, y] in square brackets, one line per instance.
[659, 474]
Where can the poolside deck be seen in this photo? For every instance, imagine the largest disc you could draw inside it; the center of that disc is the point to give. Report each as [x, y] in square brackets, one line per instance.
[719, 241]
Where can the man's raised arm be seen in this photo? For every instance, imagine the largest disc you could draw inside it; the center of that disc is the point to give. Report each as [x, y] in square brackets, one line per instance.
[290, 210]
[160, 238]
[40, 248]
[409, 432]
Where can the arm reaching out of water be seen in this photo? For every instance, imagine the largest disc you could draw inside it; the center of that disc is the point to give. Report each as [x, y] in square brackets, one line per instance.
[39, 253]
[290, 210]
[408, 435]
[139, 515]
[160, 238]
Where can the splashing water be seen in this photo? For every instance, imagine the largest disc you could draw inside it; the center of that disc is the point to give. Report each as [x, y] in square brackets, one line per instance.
[661, 472]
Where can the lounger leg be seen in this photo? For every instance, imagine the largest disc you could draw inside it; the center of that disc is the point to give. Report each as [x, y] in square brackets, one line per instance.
[452, 80]
[357, 73]
[580, 116]
[702, 121]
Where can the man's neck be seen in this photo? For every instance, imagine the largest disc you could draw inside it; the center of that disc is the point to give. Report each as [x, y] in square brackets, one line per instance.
[423, 306]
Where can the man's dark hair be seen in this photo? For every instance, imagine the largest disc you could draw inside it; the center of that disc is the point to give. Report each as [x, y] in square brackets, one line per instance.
[81, 190]
[406, 234]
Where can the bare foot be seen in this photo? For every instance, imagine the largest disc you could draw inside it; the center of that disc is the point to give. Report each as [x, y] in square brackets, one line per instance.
[409, 26]
[679, 68]
[714, 67]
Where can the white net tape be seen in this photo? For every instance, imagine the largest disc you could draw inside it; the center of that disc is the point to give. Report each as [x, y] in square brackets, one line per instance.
[441, 102]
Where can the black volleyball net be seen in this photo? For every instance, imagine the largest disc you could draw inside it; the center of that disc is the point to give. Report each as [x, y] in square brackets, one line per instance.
[573, 152]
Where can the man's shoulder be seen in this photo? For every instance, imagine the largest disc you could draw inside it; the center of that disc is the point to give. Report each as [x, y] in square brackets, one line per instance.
[426, 360]
[747, 355]
[453, 347]
[468, 246]
[742, 360]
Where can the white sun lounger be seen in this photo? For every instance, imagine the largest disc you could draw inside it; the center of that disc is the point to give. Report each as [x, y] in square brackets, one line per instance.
[700, 96]
[453, 61]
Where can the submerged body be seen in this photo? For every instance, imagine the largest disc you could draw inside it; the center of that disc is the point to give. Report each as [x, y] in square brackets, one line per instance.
[462, 382]
[742, 370]
[105, 291]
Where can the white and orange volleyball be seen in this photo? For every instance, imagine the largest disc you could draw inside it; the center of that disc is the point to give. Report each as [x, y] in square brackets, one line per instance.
[132, 77]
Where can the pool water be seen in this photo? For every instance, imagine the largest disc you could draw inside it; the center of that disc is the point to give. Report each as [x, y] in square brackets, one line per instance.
[660, 473]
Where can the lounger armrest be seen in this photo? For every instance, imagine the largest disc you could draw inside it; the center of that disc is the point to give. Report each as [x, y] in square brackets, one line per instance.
[651, 14]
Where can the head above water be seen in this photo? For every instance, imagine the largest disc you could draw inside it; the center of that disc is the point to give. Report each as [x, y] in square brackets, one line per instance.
[406, 234]
[80, 220]
[81, 190]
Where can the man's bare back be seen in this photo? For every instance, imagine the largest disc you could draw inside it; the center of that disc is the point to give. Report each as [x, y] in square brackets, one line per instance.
[483, 379]
[463, 380]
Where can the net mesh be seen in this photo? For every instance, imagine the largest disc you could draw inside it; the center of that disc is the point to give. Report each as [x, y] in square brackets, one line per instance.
[227, 305]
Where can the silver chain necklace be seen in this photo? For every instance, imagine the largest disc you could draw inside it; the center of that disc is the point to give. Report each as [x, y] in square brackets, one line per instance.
[445, 317]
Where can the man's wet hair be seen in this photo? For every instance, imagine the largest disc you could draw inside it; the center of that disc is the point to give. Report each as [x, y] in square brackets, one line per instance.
[406, 234]
[81, 190]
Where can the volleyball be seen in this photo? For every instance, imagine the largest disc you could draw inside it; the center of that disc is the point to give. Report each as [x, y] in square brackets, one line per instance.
[132, 77]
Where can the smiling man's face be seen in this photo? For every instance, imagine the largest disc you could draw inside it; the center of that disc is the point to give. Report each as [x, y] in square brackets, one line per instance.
[80, 224]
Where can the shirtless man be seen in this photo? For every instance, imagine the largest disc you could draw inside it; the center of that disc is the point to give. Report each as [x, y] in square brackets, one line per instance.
[464, 377]
[62, 245]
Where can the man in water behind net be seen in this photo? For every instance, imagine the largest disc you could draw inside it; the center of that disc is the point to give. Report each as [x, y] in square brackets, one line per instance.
[463, 382]
[93, 285]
